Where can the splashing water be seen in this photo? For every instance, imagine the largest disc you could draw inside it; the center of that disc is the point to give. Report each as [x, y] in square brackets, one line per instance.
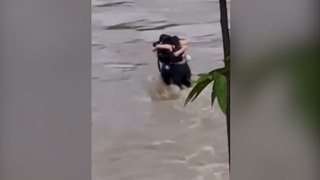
[159, 91]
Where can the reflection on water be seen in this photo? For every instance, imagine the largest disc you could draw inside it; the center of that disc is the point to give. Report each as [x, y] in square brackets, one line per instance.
[133, 136]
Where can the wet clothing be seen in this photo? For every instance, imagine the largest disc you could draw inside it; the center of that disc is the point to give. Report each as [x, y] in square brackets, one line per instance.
[181, 75]
[178, 74]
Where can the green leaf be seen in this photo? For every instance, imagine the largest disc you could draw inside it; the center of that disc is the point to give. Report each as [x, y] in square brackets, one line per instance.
[197, 89]
[220, 70]
[220, 90]
[202, 74]
[219, 87]
[213, 95]
[204, 78]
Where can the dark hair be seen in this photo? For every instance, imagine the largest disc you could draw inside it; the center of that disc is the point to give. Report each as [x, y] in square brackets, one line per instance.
[165, 39]
[176, 42]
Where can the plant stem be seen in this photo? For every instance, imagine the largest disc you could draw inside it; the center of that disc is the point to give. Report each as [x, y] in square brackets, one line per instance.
[226, 50]
[224, 27]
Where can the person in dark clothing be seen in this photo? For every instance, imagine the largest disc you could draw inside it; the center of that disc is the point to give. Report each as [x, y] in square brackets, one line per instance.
[171, 52]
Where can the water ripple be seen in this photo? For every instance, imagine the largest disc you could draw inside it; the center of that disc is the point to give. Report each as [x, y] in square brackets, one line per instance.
[113, 4]
[123, 66]
[98, 46]
[143, 25]
[161, 27]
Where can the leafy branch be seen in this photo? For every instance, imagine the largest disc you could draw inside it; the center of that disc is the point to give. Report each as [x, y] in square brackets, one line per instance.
[220, 78]
[219, 87]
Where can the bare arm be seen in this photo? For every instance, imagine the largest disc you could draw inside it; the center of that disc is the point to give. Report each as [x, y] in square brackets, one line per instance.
[163, 46]
[184, 41]
[180, 51]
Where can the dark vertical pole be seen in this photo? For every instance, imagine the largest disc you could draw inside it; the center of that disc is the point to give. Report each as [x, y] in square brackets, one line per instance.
[226, 50]
[225, 28]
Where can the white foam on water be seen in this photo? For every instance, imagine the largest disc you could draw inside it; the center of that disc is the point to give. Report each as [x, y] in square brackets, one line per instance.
[120, 66]
[159, 143]
[195, 123]
[204, 153]
[211, 171]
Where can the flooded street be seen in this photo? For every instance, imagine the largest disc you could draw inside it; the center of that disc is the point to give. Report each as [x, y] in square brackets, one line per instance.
[133, 137]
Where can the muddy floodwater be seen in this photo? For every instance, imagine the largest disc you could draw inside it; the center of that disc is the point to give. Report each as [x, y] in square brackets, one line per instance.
[133, 137]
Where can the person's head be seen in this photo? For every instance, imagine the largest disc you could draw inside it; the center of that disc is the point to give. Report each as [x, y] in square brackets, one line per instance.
[165, 39]
[175, 41]
[164, 55]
